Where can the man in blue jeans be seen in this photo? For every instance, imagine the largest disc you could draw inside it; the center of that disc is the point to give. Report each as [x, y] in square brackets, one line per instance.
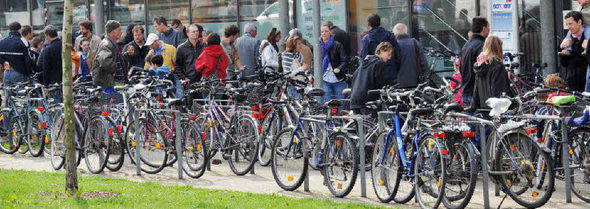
[18, 65]
[480, 28]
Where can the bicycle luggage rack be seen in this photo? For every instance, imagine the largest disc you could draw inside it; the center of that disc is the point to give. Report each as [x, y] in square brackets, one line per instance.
[361, 131]
[178, 146]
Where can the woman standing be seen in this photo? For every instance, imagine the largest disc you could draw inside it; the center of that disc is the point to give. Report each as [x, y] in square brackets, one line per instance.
[333, 65]
[269, 50]
[292, 60]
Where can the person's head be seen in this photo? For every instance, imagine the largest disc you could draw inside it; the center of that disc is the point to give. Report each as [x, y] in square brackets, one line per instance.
[160, 24]
[37, 43]
[138, 34]
[293, 44]
[14, 27]
[330, 24]
[400, 29]
[148, 60]
[325, 32]
[26, 32]
[153, 41]
[231, 32]
[129, 30]
[384, 51]
[113, 29]
[193, 32]
[157, 61]
[85, 28]
[251, 29]
[492, 47]
[554, 81]
[480, 25]
[274, 35]
[373, 20]
[295, 32]
[206, 34]
[583, 2]
[213, 39]
[573, 21]
[84, 45]
[457, 65]
[176, 24]
[50, 32]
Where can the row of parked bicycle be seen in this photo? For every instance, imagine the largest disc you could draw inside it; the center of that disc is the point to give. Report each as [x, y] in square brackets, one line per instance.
[421, 145]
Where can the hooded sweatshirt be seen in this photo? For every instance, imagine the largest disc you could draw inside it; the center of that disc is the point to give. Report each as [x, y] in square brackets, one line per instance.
[491, 80]
[367, 77]
[209, 59]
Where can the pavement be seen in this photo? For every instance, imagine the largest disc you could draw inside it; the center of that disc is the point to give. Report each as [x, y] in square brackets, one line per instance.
[221, 177]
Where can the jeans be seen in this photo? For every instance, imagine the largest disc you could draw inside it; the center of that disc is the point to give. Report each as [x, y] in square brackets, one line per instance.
[587, 79]
[334, 91]
[10, 79]
[467, 100]
[178, 85]
[292, 92]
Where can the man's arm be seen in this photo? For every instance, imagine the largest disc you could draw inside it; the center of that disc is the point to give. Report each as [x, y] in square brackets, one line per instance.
[179, 65]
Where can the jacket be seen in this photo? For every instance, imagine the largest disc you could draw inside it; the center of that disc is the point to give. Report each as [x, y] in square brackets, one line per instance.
[138, 57]
[367, 77]
[161, 71]
[186, 55]
[269, 56]
[94, 42]
[207, 62]
[105, 63]
[342, 37]
[410, 62]
[172, 37]
[248, 51]
[52, 65]
[469, 54]
[575, 66]
[235, 64]
[168, 52]
[338, 60]
[491, 80]
[369, 43]
[14, 51]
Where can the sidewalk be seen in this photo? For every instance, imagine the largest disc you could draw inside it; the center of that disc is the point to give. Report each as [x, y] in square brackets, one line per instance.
[221, 177]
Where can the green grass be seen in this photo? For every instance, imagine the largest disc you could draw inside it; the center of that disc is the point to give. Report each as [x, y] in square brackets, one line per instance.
[24, 189]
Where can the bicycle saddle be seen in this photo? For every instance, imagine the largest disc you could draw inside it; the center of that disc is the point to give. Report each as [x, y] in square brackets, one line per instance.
[498, 105]
[173, 102]
[422, 111]
[346, 92]
[454, 107]
[315, 92]
[333, 103]
[373, 104]
[580, 120]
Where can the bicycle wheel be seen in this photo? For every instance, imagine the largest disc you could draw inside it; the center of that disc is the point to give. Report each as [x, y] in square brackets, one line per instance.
[429, 171]
[20, 131]
[289, 160]
[153, 153]
[9, 142]
[341, 164]
[58, 144]
[97, 145]
[530, 178]
[194, 151]
[117, 151]
[461, 174]
[36, 133]
[270, 127]
[384, 168]
[244, 146]
[371, 133]
[405, 188]
[580, 162]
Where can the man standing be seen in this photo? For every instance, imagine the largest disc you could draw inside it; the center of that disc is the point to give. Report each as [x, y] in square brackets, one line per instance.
[375, 36]
[340, 36]
[52, 65]
[575, 65]
[231, 33]
[134, 52]
[248, 46]
[86, 32]
[186, 55]
[107, 59]
[14, 56]
[480, 29]
[412, 58]
[26, 33]
[177, 24]
[167, 34]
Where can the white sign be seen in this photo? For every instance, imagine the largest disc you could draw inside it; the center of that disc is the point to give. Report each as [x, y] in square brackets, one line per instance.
[504, 23]
[332, 10]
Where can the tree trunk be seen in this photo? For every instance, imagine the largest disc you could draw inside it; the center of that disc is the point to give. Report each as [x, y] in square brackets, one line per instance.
[66, 56]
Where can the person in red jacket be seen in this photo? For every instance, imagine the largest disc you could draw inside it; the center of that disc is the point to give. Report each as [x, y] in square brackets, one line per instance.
[212, 62]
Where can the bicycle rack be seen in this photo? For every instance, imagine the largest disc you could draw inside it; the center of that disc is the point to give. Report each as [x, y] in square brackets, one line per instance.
[138, 146]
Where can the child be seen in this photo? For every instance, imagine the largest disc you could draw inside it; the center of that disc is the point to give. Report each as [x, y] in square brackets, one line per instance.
[148, 61]
[157, 68]
[457, 76]
[585, 22]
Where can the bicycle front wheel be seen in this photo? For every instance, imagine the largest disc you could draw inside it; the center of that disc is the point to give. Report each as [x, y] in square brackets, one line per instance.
[194, 151]
[36, 133]
[58, 144]
[9, 141]
[461, 174]
[341, 164]
[580, 162]
[289, 160]
[429, 171]
[117, 151]
[244, 147]
[97, 145]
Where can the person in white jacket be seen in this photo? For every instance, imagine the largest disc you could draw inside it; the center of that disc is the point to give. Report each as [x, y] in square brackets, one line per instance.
[269, 49]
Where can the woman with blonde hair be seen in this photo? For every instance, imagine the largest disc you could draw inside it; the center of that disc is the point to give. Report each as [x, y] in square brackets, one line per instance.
[292, 61]
[491, 78]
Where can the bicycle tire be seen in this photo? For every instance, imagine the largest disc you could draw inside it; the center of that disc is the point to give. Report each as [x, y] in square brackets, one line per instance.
[9, 143]
[429, 148]
[96, 143]
[385, 187]
[57, 150]
[36, 133]
[580, 157]
[343, 149]
[405, 186]
[117, 151]
[461, 165]
[194, 151]
[289, 180]
[269, 131]
[245, 145]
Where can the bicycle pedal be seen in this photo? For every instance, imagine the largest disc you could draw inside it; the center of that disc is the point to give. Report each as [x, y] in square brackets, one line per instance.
[216, 161]
[226, 156]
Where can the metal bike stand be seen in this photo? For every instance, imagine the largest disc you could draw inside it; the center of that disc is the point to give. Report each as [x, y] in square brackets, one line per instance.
[484, 158]
[566, 158]
[137, 144]
[178, 144]
[361, 131]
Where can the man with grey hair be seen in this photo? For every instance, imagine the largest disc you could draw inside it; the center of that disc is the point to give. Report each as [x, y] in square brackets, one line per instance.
[248, 46]
[413, 63]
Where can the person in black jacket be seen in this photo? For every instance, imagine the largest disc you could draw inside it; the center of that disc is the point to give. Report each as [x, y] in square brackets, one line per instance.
[333, 65]
[575, 65]
[14, 56]
[52, 65]
[491, 79]
[340, 36]
[186, 55]
[134, 52]
[469, 53]
[374, 37]
[368, 77]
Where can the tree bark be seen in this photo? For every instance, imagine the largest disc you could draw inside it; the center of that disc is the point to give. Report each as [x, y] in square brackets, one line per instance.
[66, 56]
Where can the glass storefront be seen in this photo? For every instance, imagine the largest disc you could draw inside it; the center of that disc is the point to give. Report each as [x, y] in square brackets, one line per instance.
[262, 13]
[214, 15]
[170, 9]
